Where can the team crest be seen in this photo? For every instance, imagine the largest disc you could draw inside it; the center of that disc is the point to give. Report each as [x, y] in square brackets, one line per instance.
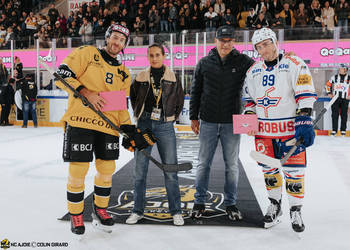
[268, 101]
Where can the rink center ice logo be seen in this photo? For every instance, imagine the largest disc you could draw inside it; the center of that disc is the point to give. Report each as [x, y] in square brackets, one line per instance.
[157, 207]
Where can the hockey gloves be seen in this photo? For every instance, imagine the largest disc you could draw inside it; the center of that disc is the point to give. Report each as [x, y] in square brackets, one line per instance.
[137, 139]
[304, 130]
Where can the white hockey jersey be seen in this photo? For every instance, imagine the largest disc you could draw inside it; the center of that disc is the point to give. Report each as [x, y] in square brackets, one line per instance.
[275, 93]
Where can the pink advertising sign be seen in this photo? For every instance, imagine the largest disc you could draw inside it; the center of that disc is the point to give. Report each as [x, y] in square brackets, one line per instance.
[315, 53]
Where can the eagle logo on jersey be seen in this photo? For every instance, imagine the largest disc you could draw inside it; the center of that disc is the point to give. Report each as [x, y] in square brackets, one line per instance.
[268, 101]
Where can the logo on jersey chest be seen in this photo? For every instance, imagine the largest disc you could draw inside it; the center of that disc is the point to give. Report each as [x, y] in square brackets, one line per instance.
[254, 71]
[340, 87]
[268, 101]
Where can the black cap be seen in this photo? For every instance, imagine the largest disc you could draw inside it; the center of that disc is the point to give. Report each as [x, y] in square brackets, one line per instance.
[225, 31]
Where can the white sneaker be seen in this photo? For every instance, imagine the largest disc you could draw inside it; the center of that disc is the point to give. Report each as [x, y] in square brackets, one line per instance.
[133, 218]
[178, 220]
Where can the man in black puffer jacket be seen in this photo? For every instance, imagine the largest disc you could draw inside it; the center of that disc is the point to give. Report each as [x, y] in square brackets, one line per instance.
[215, 97]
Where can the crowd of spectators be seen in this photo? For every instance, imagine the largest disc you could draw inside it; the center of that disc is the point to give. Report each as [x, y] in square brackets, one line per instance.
[300, 14]
[18, 21]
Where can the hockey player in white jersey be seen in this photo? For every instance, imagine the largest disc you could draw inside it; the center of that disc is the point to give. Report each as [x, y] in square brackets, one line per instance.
[280, 91]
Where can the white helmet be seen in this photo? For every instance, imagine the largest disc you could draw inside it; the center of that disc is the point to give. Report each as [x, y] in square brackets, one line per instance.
[263, 34]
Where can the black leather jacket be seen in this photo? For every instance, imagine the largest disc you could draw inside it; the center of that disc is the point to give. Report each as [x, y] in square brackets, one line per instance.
[217, 86]
[172, 94]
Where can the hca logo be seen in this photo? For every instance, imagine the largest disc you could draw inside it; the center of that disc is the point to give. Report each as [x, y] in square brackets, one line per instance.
[157, 207]
[5, 244]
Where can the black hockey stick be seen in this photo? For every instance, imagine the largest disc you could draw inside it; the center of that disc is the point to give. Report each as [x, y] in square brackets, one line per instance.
[277, 163]
[166, 167]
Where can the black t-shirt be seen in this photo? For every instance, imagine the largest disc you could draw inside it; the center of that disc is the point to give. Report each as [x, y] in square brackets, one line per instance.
[150, 102]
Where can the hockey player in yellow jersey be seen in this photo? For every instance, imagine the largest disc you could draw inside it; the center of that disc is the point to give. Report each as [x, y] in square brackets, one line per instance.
[90, 70]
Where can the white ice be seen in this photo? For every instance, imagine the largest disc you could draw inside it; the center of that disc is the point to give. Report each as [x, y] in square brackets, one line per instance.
[33, 196]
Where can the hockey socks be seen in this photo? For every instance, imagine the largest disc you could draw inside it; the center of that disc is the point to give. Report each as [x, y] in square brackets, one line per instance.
[75, 186]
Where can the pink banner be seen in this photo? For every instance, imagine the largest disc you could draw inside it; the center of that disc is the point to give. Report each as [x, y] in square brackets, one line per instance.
[316, 54]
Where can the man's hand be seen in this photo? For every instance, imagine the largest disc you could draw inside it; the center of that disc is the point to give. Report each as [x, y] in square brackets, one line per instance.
[97, 101]
[195, 126]
[252, 133]
[330, 95]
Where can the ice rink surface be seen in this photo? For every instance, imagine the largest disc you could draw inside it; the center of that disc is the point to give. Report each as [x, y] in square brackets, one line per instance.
[33, 196]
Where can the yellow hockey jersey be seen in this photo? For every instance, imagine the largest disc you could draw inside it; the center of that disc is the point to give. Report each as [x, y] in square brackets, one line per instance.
[97, 71]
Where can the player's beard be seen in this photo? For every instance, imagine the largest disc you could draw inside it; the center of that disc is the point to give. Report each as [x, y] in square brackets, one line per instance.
[113, 50]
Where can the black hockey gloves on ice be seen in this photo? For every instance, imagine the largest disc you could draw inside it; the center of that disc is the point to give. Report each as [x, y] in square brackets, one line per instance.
[137, 139]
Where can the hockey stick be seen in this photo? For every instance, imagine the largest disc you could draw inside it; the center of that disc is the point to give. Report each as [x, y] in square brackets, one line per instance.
[166, 167]
[276, 163]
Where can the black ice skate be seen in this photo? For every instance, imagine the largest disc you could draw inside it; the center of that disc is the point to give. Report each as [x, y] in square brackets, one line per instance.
[101, 220]
[273, 213]
[197, 211]
[295, 217]
[233, 213]
[77, 224]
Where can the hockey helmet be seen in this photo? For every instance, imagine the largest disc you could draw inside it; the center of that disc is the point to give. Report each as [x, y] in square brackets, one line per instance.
[118, 28]
[263, 34]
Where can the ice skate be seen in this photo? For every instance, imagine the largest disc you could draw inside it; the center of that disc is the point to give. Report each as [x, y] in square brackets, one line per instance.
[197, 211]
[295, 217]
[273, 213]
[233, 213]
[101, 220]
[77, 226]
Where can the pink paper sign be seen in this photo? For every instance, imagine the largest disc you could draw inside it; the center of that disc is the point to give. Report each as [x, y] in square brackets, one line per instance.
[244, 123]
[115, 100]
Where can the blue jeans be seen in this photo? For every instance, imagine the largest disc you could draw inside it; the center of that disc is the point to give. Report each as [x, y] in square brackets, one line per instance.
[172, 26]
[166, 143]
[210, 133]
[344, 24]
[29, 107]
[163, 25]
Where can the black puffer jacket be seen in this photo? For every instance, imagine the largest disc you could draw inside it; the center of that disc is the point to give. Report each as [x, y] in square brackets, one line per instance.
[217, 86]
